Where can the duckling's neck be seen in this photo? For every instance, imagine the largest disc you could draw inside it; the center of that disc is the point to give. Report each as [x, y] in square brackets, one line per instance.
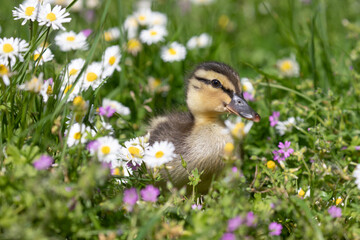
[205, 118]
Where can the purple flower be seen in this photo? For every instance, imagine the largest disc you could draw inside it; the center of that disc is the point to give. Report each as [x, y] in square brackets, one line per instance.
[43, 163]
[248, 96]
[93, 146]
[234, 169]
[228, 236]
[274, 118]
[108, 111]
[275, 229]
[344, 148]
[357, 148]
[150, 193]
[335, 212]
[196, 207]
[87, 32]
[278, 156]
[285, 148]
[234, 223]
[250, 219]
[130, 198]
[132, 165]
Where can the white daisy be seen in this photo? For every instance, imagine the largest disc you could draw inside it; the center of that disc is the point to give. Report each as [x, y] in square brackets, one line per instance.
[356, 175]
[159, 153]
[34, 85]
[303, 194]
[112, 34]
[93, 76]
[71, 89]
[77, 134]
[29, 10]
[12, 48]
[108, 150]
[133, 46]
[46, 56]
[246, 85]
[73, 69]
[288, 67]
[131, 26]
[134, 150]
[4, 73]
[174, 52]
[119, 108]
[238, 128]
[111, 59]
[143, 16]
[157, 19]
[53, 17]
[202, 41]
[47, 89]
[153, 35]
[68, 41]
[286, 126]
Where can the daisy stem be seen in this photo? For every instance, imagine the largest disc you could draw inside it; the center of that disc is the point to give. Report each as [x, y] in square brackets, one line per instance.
[43, 47]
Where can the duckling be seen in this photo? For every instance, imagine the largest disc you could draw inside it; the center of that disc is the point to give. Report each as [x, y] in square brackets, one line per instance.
[199, 136]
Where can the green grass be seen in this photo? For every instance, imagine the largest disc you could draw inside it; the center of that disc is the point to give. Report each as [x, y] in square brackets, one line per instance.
[78, 199]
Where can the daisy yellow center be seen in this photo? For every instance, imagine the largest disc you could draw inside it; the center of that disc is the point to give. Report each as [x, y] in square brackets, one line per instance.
[133, 44]
[238, 129]
[51, 17]
[79, 101]
[116, 171]
[36, 56]
[153, 33]
[286, 66]
[245, 87]
[90, 77]
[77, 135]
[73, 72]
[229, 148]
[134, 151]
[159, 154]
[112, 60]
[68, 88]
[3, 69]
[105, 150]
[271, 164]
[338, 201]
[155, 83]
[8, 48]
[142, 18]
[29, 11]
[70, 38]
[49, 90]
[107, 36]
[172, 51]
[301, 193]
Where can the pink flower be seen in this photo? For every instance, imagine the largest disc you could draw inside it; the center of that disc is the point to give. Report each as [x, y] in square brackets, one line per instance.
[196, 207]
[107, 111]
[274, 118]
[250, 219]
[275, 229]
[278, 156]
[43, 163]
[150, 193]
[285, 148]
[248, 96]
[93, 146]
[228, 236]
[335, 212]
[234, 223]
[86, 32]
[130, 198]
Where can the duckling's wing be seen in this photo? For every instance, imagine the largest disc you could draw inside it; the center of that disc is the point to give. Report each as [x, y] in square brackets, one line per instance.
[174, 128]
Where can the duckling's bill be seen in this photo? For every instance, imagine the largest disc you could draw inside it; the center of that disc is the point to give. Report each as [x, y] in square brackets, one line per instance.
[240, 107]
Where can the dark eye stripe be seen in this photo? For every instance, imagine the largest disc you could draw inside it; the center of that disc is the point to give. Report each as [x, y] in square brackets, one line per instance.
[226, 90]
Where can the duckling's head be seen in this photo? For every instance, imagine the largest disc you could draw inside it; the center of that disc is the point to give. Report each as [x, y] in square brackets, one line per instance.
[214, 88]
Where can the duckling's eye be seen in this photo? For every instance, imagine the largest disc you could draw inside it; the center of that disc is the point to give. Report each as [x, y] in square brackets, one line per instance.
[216, 83]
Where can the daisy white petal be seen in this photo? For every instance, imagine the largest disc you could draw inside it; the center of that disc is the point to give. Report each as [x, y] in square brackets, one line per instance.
[29, 10]
[93, 76]
[112, 34]
[111, 59]
[4, 73]
[108, 150]
[118, 107]
[34, 85]
[202, 41]
[53, 17]
[143, 16]
[131, 26]
[288, 67]
[46, 56]
[68, 41]
[159, 153]
[72, 70]
[174, 52]
[77, 134]
[12, 48]
[153, 35]
[157, 19]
